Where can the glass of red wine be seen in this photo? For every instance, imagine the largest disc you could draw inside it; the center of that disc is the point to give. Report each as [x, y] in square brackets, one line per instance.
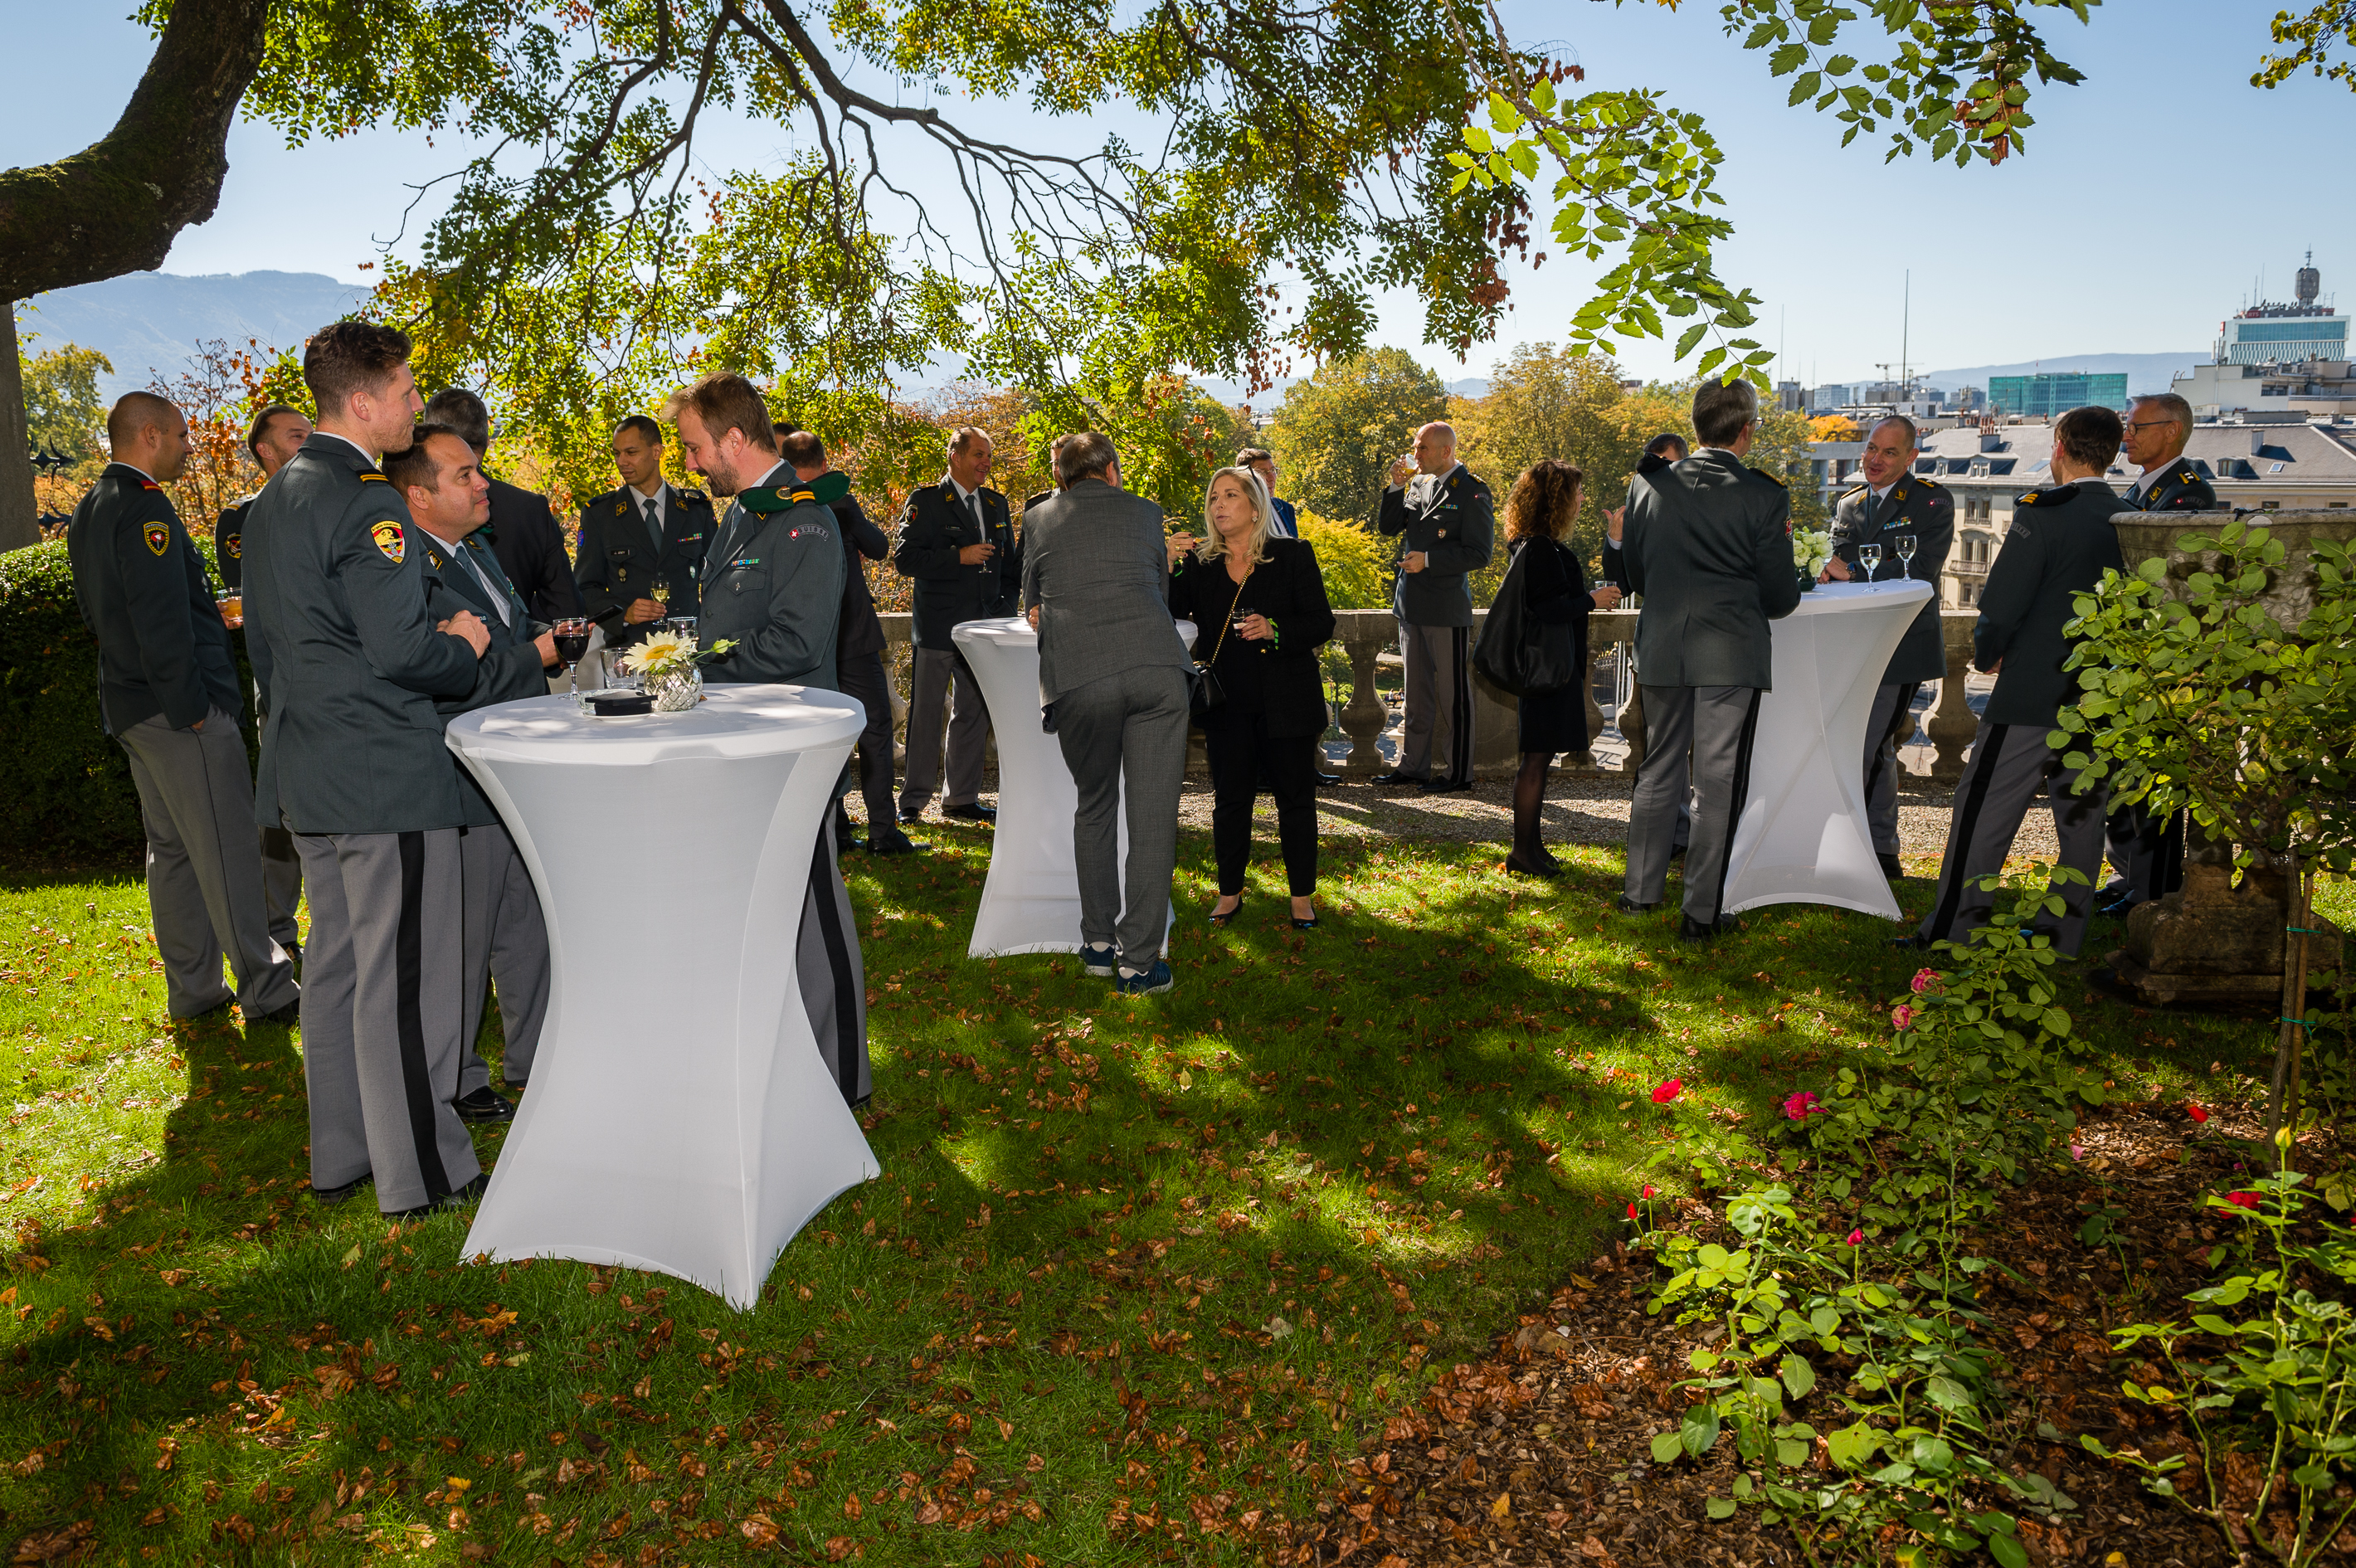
[572, 635]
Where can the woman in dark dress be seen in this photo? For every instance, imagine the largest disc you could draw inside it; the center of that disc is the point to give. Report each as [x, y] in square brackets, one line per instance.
[1538, 514]
[1258, 601]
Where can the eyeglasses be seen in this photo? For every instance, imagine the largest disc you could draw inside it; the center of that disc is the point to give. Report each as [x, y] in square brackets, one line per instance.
[2135, 424]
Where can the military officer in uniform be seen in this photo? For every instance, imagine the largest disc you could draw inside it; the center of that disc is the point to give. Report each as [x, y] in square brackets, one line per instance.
[773, 585]
[168, 694]
[2148, 853]
[506, 936]
[1707, 542]
[353, 760]
[1446, 523]
[957, 541]
[648, 532]
[1894, 500]
[277, 433]
[2060, 542]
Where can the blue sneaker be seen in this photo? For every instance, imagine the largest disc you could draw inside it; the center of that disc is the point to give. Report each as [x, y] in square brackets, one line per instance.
[1103, 962]
[1156, 978]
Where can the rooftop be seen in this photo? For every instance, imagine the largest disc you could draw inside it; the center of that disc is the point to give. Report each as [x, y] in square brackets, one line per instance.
[2017, 455]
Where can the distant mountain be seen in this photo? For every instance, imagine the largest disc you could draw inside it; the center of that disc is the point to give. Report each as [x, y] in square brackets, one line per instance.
[147, 323]
[2146, 373]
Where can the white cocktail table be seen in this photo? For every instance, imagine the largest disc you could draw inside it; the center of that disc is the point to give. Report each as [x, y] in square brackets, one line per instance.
[1803, 836]
[1031, 900]
[679, 1118]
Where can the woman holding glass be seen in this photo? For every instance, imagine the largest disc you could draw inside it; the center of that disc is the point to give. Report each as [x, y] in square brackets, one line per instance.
[1540, 513]
[1258, 602]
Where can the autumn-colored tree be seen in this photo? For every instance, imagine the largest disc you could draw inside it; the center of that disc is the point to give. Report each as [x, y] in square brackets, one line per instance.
[1337, 432]
[213, 391]
[1835, 427]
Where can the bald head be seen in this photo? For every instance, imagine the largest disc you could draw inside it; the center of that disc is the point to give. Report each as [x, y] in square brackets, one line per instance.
[1435, 447]
[149, 433]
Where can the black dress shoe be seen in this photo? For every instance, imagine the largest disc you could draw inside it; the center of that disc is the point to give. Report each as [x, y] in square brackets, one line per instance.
[1542, 870]
[2116, 909]
[1395, 777]
[909, 814]
[335, 1195]
[1692, 930]
[1890, 868]
[1446, 786]
[898, 843]
[1327, 780]
[486, 1104]
[1300, 925]
[285, 1017]
[448, 1200]
[1916, 942]
[1628, 906]
[971, 811]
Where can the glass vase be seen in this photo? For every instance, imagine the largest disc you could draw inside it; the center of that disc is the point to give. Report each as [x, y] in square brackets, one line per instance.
[675, 690]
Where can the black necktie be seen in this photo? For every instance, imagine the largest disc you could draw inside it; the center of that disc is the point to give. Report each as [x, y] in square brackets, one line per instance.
[654, 523]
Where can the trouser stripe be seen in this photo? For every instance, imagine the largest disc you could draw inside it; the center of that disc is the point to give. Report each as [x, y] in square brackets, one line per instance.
[409, 962]
[838, 959]
[1460, 738]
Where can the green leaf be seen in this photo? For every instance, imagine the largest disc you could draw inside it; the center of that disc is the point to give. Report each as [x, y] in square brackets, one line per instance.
[1691, 336]
[1798, 1376]
[2008, 1550]
[1787, 60]
[1700, 1429]
[1720, 1508]
[1852, 1445]
[1666, 1446]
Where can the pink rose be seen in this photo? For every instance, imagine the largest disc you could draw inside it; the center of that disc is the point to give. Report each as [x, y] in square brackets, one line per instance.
[2242, 1199]
[1799, 1107]
[1631, 1211]
[1900, 1016]
[1925, 979]
[1647, 1192]
[1856, 1237]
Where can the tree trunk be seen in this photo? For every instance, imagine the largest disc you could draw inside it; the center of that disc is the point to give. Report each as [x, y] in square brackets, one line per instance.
[116, 206]
[17, 528]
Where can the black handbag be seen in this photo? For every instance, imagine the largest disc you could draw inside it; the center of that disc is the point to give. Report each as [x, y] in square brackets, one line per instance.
[1207, 692]
[1519, 653]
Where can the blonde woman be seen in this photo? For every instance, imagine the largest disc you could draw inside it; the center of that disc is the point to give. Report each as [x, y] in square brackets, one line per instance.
[1259, 602]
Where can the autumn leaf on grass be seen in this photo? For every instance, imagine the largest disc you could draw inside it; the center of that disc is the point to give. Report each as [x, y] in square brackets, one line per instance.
[839, 1547]
[759, 1529]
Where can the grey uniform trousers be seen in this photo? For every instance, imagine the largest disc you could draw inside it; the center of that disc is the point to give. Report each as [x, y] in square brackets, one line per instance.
[2008, 766]
[1436, 730]
[282, 886]
[1881, 764]
[204, 867]
[861, 676]
[1701, 734]
[383, 1000]
[507, 944]
[934, 672]
[832, 974]
[1125, 735]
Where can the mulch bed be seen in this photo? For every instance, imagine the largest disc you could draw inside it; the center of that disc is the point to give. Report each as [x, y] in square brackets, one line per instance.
[1539, 1454]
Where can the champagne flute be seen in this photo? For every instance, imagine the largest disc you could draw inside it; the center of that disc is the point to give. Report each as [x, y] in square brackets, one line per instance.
[571, 636]
[1906, 555]
[1869, 557]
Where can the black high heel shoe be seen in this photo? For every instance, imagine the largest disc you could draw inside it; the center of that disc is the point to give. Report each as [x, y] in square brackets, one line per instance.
[1308, 925]
[1218, 919]
[1547, 870]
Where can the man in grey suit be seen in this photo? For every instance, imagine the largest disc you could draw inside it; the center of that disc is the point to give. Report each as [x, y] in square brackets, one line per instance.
[1114, 690]
[1707, 543]
[353, 758]
[1450, 524]
[506, 936]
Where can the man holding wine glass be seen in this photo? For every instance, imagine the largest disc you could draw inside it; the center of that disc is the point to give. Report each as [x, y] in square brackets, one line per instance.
[642, 545]
[1897, 514]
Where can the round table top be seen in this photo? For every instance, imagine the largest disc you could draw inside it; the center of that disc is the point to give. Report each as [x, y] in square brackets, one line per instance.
[731, 721]
[1831, 599]
[1014, 632]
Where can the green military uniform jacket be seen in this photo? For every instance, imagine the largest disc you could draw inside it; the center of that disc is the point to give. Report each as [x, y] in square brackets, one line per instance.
[618, 561]
[349, 662]
[2060, 542]
[2179, 488]
[772, 584]
[1455, 531]
[1927, 510]
[948, 592]
[511, 670]
[141, 586]
[1707, 541]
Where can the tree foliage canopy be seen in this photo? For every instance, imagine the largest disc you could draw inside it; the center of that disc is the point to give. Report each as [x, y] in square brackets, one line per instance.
[1339, 430]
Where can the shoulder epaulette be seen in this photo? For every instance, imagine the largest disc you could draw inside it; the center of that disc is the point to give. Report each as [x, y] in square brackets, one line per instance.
[2053, 497]
[149, 484]
[1861, 489]
[824, 490]
[367, 474]
[1769, 478]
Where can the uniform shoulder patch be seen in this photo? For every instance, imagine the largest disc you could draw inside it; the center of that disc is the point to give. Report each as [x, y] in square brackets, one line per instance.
[2054, 495]
[391, 542]
[620, 507]
[149, 484]
[234, 543]
[1857, 492]
[159, 537]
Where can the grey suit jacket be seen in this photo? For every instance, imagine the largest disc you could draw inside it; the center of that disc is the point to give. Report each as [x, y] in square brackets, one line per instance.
[334, 610]
[1708, 543]
[1094, 563]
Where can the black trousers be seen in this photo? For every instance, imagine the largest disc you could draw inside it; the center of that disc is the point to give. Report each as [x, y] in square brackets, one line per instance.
[861, 676]
[1240, 747]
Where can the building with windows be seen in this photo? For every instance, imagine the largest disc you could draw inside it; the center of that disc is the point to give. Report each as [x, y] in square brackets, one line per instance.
[2268, 333]
[2287, 362]
[2045, 395]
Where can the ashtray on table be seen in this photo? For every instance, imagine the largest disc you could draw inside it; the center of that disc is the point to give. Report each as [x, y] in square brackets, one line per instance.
[620, 704]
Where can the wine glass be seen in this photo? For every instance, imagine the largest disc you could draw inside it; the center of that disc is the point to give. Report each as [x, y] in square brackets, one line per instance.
[571, 636]
[662, 595]
[1869, 557]
[1906, 555]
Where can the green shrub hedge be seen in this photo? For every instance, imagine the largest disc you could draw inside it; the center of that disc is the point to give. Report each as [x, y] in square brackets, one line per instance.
[66, 784]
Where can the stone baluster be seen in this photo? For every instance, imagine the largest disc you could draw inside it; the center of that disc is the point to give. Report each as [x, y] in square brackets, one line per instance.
[1364, 715]
[1951, 724]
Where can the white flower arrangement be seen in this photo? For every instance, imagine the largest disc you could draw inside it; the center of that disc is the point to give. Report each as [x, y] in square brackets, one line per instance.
[1811, 549]
[670, 653]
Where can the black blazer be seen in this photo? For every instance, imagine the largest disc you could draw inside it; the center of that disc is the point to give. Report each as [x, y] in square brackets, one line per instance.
[2060, 542]
[1279, 679]
[619, 565]
[936, 526]
[860, 631]
[1557, 590]
[530, 548]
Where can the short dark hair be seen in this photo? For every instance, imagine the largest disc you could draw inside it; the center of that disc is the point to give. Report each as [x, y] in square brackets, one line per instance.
[1083, 455]
[2090, 437]
[1670, 444]
[261, 426]
[462, 414]
[725, 401]
[644, 428]
[346, 357]
[1251, 455]
[1720, 410]
[135, 412]
[802, 448]
[1913, 434]
[415, 466]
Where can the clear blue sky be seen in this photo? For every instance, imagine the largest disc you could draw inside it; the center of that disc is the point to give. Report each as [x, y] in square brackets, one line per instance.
[2152, 197]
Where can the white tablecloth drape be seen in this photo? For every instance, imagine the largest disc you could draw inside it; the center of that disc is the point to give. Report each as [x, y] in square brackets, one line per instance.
[1031, 901]
[1802, 837]
[679, 1118]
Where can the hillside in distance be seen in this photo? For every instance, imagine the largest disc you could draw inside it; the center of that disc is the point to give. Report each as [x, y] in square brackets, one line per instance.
[148, 323]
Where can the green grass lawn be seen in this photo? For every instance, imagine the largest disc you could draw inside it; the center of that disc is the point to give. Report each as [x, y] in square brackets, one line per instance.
[1137, 1272]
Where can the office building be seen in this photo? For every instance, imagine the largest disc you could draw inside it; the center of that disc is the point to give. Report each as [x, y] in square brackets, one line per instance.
[2051, 393]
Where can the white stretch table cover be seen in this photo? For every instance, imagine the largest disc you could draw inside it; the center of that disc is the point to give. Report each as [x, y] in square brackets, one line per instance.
[679, 1118]
[1031, 901]
[1803, 836]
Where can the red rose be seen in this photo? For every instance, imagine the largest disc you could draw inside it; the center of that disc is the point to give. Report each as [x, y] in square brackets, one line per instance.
[1668, 1092]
